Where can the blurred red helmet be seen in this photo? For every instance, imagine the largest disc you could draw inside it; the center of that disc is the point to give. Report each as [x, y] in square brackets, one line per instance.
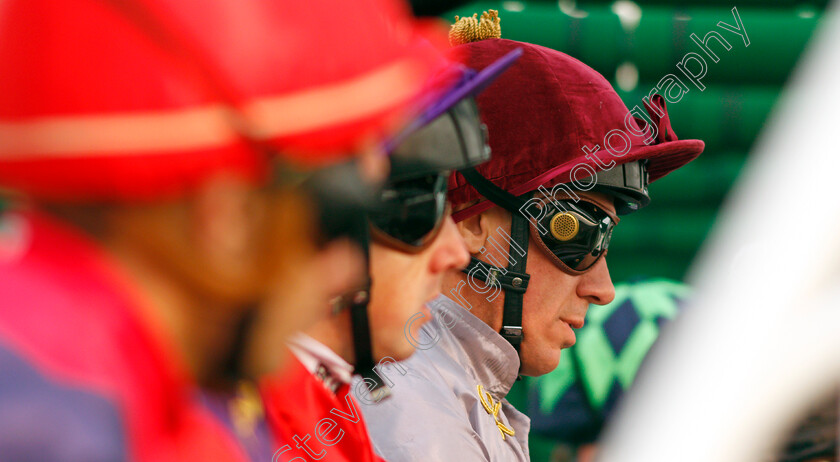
[143, 99]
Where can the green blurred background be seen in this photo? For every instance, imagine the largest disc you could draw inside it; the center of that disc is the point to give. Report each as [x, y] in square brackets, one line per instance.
[633, 45]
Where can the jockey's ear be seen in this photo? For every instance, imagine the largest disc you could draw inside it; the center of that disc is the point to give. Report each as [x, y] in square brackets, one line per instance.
[478, 228]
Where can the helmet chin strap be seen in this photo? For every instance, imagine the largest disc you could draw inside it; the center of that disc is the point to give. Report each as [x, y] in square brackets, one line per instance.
[513, 279]
[362, 344]
[360, 323]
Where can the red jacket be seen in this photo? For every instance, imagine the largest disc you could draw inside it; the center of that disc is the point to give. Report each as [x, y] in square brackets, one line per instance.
[85, 378]
[317, 423]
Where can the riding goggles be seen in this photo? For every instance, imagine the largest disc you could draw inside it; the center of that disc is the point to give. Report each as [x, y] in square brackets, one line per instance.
[448, 135]
[413, 202]
[411, 212]
[575, 234]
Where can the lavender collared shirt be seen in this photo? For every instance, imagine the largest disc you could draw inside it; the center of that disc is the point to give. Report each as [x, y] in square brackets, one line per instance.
[435, 411]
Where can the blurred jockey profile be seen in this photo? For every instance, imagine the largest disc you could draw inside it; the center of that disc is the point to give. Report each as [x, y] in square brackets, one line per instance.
[549, 197]
[163, 166]
[412, 243]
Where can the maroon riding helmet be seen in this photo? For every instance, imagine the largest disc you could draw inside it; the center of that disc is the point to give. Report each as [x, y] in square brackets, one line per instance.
[556, 126]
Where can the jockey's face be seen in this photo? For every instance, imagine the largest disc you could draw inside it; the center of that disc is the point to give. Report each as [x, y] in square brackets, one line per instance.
[404, 282]
[554, 302]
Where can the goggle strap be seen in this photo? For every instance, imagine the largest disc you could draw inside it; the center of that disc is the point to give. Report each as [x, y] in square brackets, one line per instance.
[492, 192]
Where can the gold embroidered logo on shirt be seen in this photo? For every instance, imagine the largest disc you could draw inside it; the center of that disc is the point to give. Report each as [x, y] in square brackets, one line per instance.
[492, 407]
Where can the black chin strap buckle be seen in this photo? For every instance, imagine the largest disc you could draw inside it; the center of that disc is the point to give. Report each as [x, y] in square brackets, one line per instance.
[375, 385]
[512, 334]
